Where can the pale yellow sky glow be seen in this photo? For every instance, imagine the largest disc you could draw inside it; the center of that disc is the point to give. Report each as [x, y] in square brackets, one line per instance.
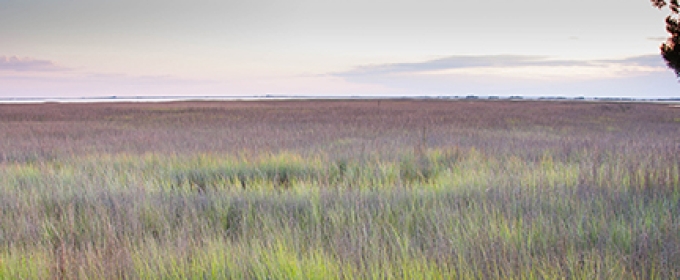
[304, 47]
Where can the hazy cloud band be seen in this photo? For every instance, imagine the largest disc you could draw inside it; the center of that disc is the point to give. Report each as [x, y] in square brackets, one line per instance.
[14, 63]
[495, 61]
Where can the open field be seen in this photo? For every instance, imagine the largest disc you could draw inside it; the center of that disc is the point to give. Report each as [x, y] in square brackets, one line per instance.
[372, 189]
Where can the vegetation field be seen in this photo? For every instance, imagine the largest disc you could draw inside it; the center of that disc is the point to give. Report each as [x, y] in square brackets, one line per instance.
[370, 189]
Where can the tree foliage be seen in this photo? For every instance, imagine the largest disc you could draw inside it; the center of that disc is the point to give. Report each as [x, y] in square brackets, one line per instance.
[670, 50]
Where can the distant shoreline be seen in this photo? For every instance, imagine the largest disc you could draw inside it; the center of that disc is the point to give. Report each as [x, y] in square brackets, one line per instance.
[117, 99]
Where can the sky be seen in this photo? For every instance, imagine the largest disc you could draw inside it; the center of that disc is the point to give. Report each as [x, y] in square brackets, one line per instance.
[85, 48]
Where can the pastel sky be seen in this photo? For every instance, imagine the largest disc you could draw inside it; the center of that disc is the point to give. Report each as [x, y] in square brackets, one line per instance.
[85, 48]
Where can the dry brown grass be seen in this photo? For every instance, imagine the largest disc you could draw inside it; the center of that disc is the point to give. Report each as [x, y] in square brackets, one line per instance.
[337, 127]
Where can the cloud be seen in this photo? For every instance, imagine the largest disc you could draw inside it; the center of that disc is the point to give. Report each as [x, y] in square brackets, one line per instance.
[644, 75]
[76, 83]
[26, 64]
[494, 61]
[654, 61]
[455, 62]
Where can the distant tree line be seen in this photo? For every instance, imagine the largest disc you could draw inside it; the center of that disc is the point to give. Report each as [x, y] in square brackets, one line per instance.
[670, 50]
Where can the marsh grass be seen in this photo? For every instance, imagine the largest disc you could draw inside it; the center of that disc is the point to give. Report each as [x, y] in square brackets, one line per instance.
[600, 205]
[477, 216]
